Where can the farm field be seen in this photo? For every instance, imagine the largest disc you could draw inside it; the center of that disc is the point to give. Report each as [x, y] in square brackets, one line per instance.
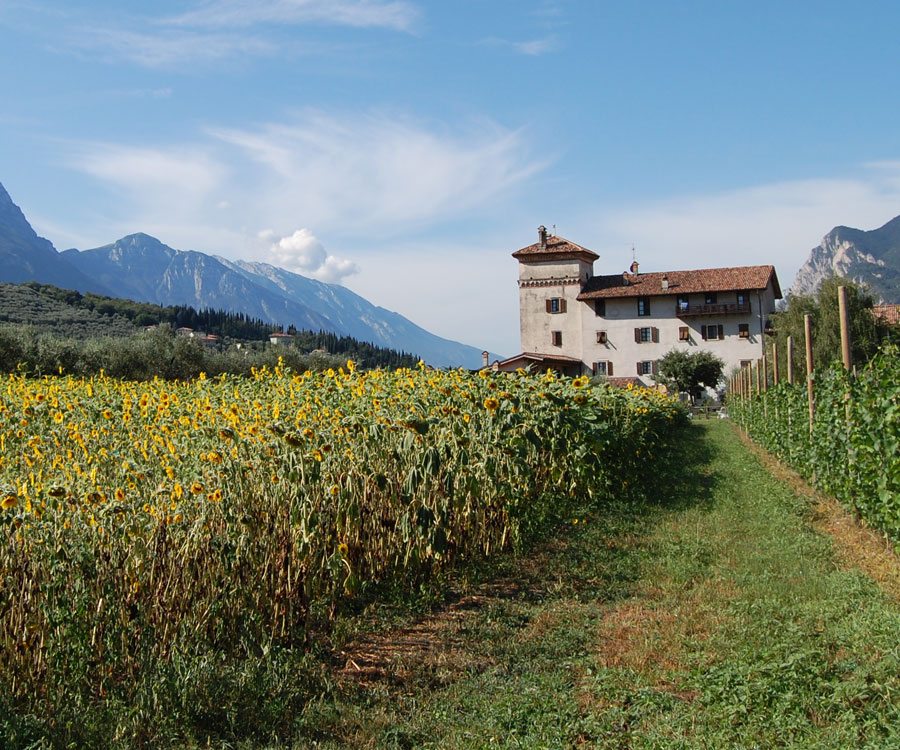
[719, 614]
[177, 556]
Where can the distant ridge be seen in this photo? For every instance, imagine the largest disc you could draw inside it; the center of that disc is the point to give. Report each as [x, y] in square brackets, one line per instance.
[142, 268]
[26, 257]
[865, 257]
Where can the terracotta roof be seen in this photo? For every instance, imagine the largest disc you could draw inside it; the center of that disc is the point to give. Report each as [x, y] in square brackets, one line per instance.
[889, 314]
[536, 357]
[555, 249]
[681, 282]
[624, 382]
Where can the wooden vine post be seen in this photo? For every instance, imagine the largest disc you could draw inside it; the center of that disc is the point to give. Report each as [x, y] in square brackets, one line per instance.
[807, 330]
[790, 360]
[845, 328]
[774, 363]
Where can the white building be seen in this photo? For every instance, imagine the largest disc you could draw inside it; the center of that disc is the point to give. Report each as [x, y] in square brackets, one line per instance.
[621, 325]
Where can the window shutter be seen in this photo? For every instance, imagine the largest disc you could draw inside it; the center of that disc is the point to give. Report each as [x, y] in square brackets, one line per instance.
[654, 368]
[548, 305]
[639, 369]
[562, 305]
[609, 369]
[703, 332]
[637, 335]
[655, 335]
[721, 332]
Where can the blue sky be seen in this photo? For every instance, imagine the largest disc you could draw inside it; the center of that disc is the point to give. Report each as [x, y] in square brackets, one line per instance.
[405, 148]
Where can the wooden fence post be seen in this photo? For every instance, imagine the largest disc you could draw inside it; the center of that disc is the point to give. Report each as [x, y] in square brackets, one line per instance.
[845, 327]
[764, 363]
[775, 362]
[807, 330]
[790, 360]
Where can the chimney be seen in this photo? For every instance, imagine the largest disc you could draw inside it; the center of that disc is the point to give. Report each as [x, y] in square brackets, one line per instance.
[634, 267]
[665, 283]
[484, 357]
[542, 237]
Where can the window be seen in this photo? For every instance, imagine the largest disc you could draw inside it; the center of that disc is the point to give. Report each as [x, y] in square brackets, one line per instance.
[599, 307]
[646, 335]
[712, 333]
[556, 305]
[681, 303]
[556, 338]
[601, 337]
[684, 333]
[646, 368]
[744, 330]
[710, 298]
[603, 368]
[643, 304]
[743, 298]
[746, 363]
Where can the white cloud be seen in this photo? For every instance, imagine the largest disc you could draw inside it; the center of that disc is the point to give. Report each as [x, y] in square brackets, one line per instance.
[374, 172]
[302, 253]
[400, 16]
[177, 171]
[533, 47]
[168, 48]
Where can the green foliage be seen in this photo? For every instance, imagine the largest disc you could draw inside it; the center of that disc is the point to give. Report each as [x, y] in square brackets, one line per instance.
[865, 332]
[185, 544]
[852, 451]
[44, 329]
[688, 372]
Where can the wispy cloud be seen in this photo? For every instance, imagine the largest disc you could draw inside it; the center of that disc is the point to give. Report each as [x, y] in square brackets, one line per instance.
[374, 171]
[211, 31]
[397, 15]
[167, 48]
[533, 47]
[356, 177]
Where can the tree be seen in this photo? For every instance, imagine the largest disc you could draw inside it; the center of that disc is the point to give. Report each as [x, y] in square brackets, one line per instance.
[865, 332]
[690, 373]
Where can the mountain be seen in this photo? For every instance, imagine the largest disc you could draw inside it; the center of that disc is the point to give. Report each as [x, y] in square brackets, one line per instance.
[355, 316]
[26, 257]
[142, 268]
[867, 257]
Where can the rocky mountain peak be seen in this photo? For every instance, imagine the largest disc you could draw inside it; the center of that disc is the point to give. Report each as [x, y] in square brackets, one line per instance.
[865, 257]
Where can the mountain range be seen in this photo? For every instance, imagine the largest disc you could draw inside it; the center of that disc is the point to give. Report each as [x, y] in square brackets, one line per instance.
[866, 257]
[142, 268]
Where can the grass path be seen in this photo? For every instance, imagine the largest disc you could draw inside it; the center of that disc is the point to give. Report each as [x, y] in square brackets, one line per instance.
[716, 616]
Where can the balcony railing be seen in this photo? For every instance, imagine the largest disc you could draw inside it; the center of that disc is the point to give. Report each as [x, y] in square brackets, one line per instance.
[739, 308]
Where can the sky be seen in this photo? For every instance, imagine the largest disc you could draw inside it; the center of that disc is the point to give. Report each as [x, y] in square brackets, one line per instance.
[406, 148]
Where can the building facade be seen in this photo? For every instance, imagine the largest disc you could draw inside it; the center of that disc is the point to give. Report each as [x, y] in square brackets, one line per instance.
[621, 325]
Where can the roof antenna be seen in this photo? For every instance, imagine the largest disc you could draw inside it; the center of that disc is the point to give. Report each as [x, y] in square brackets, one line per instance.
[634, 263]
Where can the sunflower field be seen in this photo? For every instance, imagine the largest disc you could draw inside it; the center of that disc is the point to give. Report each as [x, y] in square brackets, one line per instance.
[149, 526]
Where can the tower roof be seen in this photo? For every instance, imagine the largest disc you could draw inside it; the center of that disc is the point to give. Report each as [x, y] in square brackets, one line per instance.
[554, 248]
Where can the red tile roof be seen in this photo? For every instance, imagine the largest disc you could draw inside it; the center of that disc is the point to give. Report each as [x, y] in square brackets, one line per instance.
[889, 314]
[624, 382]
[556, 248]
[681, 282]
[547, 359]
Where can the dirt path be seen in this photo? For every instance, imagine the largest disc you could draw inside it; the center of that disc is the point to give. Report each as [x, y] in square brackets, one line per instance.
[718, 615]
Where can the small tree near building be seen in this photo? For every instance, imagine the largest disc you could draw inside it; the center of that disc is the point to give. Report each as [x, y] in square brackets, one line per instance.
[690, 373]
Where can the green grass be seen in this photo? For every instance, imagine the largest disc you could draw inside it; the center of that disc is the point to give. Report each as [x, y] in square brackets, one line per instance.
[714, 616]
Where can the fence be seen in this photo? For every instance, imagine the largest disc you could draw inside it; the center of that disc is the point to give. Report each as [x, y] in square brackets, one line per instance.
[838, 428]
